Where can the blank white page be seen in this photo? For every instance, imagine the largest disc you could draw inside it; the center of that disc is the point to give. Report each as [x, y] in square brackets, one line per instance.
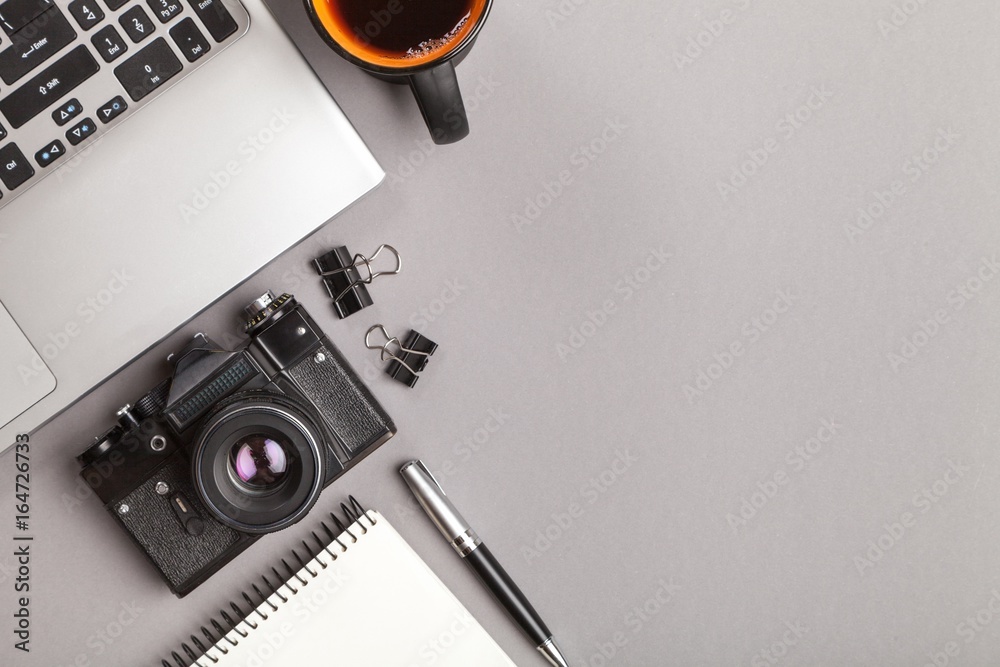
[376, 604]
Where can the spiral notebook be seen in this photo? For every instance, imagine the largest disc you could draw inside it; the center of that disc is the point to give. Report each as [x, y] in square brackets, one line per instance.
[360, 598]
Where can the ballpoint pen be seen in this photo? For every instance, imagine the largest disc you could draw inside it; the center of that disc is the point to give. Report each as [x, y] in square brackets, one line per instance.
[459, 534]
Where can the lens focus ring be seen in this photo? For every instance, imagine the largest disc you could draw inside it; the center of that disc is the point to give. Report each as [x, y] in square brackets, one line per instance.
[259, 461]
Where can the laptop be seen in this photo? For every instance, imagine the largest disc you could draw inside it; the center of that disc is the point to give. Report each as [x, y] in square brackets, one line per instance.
[154, 154]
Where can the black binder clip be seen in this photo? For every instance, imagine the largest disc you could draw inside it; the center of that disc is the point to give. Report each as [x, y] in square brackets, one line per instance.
[413, 356]
[342, 275]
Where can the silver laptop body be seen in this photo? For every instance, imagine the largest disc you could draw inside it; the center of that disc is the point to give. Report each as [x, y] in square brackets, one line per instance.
[211, 173]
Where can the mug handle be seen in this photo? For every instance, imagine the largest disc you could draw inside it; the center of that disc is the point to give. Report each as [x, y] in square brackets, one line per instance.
[440, 102]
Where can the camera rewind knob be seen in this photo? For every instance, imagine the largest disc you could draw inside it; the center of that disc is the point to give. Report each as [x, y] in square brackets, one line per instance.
[263, 307]
[260, 303]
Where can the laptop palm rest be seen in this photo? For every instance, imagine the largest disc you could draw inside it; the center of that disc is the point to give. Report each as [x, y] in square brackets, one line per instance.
[24, 378]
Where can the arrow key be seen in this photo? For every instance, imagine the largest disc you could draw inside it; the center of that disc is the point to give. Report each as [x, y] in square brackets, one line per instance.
[50, 153]
[67, 112]
[137, 24]
[112, 109]
[81, 131]
[86, 12]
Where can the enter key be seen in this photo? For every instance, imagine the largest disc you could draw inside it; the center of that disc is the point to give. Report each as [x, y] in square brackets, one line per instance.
[35, 43]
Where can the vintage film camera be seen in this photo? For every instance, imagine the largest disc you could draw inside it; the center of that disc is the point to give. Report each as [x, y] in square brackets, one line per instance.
[235, 444]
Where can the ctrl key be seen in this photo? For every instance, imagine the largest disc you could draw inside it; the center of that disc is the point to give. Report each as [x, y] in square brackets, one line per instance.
[14, 167]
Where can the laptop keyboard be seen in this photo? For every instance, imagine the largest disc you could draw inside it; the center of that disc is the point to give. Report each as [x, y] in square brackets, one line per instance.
[73, 69]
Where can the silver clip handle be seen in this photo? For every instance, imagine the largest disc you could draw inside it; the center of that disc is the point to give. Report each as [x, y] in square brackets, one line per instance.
[359, 261]
[386, 353]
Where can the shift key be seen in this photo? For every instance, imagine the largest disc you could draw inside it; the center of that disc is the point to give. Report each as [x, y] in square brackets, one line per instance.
[48, 86]
[36, 43]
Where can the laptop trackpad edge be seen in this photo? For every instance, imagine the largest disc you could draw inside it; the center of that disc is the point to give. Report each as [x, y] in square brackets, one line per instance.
[24, 377]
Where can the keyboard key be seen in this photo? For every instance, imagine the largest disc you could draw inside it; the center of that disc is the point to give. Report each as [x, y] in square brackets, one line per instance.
[109, 43]
[36, 43]
[67, 112]
[3, 132]
[50, 153]
[189, 40]
[15, 14]
[81, 131]
[216, 17]
[112, 109]
[115, 4]
[164, 9]
[86, 12]
[137, 24]
[51, 84]
[14, 167]
[148, 70]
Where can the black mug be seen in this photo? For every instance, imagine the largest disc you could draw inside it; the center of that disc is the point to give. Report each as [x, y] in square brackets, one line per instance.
[417, 42]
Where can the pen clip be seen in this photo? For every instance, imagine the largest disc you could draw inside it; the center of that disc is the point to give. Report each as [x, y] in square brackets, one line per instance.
[427, 470]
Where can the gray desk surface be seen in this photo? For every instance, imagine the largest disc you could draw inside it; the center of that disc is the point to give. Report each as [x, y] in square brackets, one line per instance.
[703, 417]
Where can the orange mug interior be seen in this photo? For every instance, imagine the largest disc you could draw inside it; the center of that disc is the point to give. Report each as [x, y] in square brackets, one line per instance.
[347, 38]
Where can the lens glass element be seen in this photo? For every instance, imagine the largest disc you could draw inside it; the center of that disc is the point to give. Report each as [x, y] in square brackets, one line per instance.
[259, 462]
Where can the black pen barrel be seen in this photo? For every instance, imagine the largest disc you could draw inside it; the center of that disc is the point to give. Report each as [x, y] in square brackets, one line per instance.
[507, 593]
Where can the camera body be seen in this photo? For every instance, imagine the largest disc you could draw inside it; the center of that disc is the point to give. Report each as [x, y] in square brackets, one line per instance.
[235, 444]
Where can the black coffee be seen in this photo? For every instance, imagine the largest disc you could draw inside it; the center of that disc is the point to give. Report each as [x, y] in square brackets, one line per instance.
[403, 29]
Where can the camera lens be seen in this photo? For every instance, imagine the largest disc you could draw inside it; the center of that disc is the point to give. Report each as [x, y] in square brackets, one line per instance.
[259, 461]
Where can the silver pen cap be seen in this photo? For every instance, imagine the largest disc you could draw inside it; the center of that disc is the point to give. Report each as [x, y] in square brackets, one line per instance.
[432, 499]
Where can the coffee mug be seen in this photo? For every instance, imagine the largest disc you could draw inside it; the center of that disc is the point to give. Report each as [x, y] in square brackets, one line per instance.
[418, 42]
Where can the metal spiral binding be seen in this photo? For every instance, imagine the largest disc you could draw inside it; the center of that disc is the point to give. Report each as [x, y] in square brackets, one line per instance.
[277, 592]
[352, 512]
[304, 564]
[197, 642]
[263, 597]
[190, 652]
